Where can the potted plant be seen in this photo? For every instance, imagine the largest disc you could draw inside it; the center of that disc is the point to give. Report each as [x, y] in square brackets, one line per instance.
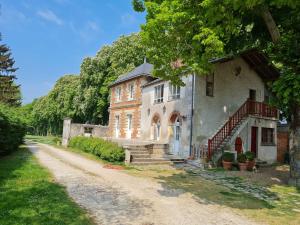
[242, 160]
[250, 160]
[227, 159]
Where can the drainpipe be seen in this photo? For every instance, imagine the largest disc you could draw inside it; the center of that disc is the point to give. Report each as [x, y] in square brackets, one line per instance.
[192, 113]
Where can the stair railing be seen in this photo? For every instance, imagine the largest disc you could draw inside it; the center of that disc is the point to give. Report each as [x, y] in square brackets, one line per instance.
[248, 108]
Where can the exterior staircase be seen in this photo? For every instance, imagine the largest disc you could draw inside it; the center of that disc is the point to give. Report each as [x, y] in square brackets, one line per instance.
[144, 155]
[231, 127]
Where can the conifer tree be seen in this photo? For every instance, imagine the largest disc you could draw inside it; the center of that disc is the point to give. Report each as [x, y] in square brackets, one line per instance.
[9, 91]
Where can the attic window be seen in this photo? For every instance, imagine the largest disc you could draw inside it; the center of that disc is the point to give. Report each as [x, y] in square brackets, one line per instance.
[118, 94]
[210, 85]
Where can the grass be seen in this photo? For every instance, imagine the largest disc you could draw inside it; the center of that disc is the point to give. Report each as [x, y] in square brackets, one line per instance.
[51, 140]
[285, 210]
[28, 195]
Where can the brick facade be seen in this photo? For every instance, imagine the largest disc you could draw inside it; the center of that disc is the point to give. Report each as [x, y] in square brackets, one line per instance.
[125, 107]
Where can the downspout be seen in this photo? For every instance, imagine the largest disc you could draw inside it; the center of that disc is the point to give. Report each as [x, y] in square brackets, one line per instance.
[192, 113]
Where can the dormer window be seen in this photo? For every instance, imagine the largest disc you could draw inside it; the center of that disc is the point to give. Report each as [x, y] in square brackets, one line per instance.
[130, 91]
[118, 94]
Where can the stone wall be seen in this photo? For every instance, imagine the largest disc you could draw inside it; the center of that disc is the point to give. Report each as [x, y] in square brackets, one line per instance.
[75, 129]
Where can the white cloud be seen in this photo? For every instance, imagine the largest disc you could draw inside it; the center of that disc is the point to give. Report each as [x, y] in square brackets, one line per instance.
[50, 16]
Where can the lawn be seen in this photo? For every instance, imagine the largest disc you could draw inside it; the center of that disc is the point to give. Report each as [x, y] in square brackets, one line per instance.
[284, 210]
[28, 195]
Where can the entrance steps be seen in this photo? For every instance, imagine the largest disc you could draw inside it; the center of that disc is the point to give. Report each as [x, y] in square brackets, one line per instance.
[150, 154]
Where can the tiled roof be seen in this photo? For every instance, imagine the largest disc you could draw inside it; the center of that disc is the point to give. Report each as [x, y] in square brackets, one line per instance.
[143, 70]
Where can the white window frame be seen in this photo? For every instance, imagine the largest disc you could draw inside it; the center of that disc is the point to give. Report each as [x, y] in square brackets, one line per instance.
[159, 94]
[174, 92]
[129, 125]
[118, 94]
[131, 91]
[117, 126]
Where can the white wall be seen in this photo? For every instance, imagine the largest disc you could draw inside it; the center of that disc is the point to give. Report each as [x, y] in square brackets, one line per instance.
[230, 92]
[182, 105]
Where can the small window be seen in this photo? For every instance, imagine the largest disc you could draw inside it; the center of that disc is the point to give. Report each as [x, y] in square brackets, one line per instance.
[131, 91]
[252, 95]
[174, 92]
[267, 136]
[159, 94]
[118, 94]
[210, 85]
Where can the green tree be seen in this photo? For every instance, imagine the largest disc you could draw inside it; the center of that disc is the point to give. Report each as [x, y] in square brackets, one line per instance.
[49, 111]
[9, 92]
[196, 31]
[99, 72]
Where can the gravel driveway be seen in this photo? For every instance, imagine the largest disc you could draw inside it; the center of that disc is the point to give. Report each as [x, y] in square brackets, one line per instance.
[113, 197]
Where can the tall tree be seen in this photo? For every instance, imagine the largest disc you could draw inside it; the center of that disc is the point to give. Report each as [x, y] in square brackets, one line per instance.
[196, 31]
[99, 72]
[9, 91]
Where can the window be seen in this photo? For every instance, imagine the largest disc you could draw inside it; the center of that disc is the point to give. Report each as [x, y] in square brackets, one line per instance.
[267, 136]
[210, 85]
[252, 95]
[129, 119]
[117, 118]
[118, 94]
[174, 92]
[159, 94]
[131, 91]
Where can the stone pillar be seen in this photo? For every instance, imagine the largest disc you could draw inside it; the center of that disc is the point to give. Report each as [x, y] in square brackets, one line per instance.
[66, 131]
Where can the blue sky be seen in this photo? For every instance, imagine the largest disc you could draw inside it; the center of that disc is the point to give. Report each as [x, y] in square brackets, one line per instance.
[49, 38]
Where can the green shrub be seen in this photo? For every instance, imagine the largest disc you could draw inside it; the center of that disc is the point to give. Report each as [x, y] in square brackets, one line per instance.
[12, 129]
[228, 157]
[241, 158]
[106, 150]
[250, 156]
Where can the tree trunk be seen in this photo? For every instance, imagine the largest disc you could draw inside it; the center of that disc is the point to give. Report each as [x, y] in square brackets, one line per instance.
[295, 120]
[295, 148]
[271, 25]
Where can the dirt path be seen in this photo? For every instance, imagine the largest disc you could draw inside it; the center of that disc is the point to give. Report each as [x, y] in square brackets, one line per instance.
[113, 197]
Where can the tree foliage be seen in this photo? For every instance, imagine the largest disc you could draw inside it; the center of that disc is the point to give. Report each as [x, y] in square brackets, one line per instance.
[85, 98]
[9, 92]
[196, 31]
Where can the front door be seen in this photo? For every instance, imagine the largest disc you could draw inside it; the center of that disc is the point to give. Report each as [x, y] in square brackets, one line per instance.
[177, 136]
[254, 140]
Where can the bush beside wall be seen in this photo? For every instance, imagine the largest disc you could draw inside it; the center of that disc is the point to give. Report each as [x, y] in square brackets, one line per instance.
[12, 129]
[106, 150]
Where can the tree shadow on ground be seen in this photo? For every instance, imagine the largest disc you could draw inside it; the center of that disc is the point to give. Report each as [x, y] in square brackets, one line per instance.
[208, 192]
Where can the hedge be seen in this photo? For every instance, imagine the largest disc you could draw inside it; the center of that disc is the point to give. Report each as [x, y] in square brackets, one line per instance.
[106, 150]
[12, 129]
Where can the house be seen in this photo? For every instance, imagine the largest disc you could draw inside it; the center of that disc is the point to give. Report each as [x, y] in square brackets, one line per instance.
[126, 103]
[166, 114]
[224, 110]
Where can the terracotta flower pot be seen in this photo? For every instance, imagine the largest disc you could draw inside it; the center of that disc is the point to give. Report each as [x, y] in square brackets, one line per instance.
[250, 164]
[227, 165]
[243, 166]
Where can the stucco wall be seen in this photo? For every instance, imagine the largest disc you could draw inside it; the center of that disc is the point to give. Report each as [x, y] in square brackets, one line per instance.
[230, 92]
[180, 106]
[264, 153]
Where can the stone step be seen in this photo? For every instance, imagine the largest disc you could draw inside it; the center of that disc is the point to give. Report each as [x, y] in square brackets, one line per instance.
[136, 156]
[166, 162]
[150, 160]
[137, 152]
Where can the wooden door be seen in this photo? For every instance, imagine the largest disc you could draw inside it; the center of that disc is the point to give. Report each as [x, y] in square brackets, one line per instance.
[254, 140]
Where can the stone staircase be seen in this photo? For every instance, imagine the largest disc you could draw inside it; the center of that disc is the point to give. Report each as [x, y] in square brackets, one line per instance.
[150, 154]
